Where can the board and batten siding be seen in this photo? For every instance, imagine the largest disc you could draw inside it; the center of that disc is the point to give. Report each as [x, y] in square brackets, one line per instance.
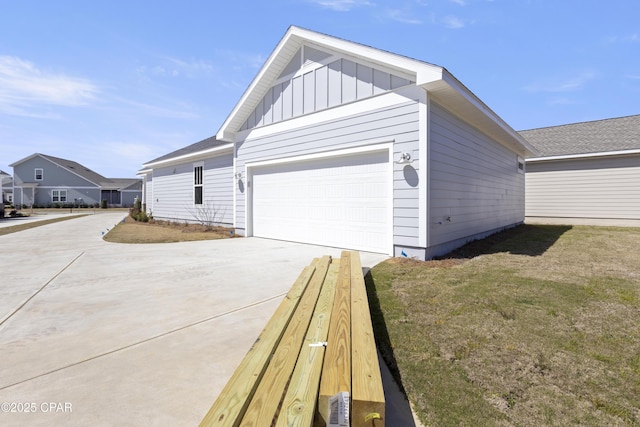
[320, 87]
[605, 187]
[396, 123]
[474, 182]
[172, 191]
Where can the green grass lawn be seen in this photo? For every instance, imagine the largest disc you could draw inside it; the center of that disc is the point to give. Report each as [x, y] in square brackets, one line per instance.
[539, 325]
[536, 326]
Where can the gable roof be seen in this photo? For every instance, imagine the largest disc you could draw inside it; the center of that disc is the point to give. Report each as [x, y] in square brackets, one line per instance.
[124, 184]
[439, 83]
[83, 172]
[206, 146]
[71, 166]
[599, 136]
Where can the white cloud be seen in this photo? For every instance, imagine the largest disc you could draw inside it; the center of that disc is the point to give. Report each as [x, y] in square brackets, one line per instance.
[560, 101]
[403, 16]
[631, 38]
[24, 87]
[239, 59]
[459, 2]
[341, 5]
[453, 22]
[570, 84]
[176, 67]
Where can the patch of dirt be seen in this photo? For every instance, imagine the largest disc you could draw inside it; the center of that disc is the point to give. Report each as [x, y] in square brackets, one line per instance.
[469, 251]
[184, 227]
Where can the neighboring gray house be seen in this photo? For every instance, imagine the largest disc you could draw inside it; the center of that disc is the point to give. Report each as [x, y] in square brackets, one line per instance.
[339, 144]
[45, 181]
[6, 182]
[587, 170]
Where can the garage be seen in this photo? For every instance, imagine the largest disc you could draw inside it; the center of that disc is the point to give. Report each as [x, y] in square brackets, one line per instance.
[341, 201]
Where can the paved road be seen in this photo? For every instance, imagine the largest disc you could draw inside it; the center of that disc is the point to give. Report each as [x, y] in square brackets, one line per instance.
[97, 333]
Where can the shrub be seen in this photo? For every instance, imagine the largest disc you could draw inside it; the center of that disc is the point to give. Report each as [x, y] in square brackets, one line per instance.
[139, 215]
[103, 205]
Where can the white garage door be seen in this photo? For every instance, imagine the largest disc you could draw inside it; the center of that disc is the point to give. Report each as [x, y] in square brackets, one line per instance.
[341, 201]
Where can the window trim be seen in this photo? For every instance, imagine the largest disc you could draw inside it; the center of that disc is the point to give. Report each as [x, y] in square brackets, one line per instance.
[59, 195]
[198, 183]
[35, 173]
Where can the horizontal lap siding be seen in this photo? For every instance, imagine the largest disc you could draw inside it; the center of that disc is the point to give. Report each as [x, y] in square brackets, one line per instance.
[585, 188]
[173, 190]
[148, 192]
[399, 123]
[218, 187]
[474, 181]
[54, 175]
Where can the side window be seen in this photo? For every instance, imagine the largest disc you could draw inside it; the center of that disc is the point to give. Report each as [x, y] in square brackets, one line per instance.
[197, 185]
[520, 164]
[59, 196]
[39, 174]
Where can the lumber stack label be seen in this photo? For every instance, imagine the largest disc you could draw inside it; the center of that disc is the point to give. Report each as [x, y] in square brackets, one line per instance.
[336, 370]
[318, 343]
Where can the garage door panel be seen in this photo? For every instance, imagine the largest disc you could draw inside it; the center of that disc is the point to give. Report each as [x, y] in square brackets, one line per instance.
[338, 201]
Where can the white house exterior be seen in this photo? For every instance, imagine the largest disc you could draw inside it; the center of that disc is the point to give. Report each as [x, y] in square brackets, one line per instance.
[339, 144]
[585, 171]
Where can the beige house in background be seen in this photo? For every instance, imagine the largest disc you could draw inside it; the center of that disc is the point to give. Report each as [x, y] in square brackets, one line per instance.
[586, 172]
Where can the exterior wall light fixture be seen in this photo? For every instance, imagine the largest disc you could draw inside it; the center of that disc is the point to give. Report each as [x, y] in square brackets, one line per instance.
[405, 158]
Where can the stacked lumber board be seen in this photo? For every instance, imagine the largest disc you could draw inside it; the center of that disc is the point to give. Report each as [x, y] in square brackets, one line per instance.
[318, 343]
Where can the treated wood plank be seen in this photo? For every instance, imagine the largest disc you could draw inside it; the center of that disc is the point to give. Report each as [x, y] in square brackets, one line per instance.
[232, 402]
[269, 393]
[336, 369]
[367, 392]
[299, 405]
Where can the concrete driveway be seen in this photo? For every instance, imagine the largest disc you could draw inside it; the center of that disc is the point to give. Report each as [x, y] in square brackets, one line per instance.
[96, 333]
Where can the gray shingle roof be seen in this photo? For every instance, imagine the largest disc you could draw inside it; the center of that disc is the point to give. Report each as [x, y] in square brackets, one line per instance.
[123, 184]
[79, 169]
[616, 134]
[203, 145]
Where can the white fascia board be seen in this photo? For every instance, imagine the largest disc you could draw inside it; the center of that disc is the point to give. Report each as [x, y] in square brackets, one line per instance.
[199, 155]
[482, 107]
[227, 134]
[296, 37]
[489, 119]
[371, 55]
[143, 172]
[584, 156]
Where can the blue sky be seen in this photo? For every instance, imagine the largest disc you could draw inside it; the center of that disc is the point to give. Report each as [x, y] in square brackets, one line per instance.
[113, 84]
